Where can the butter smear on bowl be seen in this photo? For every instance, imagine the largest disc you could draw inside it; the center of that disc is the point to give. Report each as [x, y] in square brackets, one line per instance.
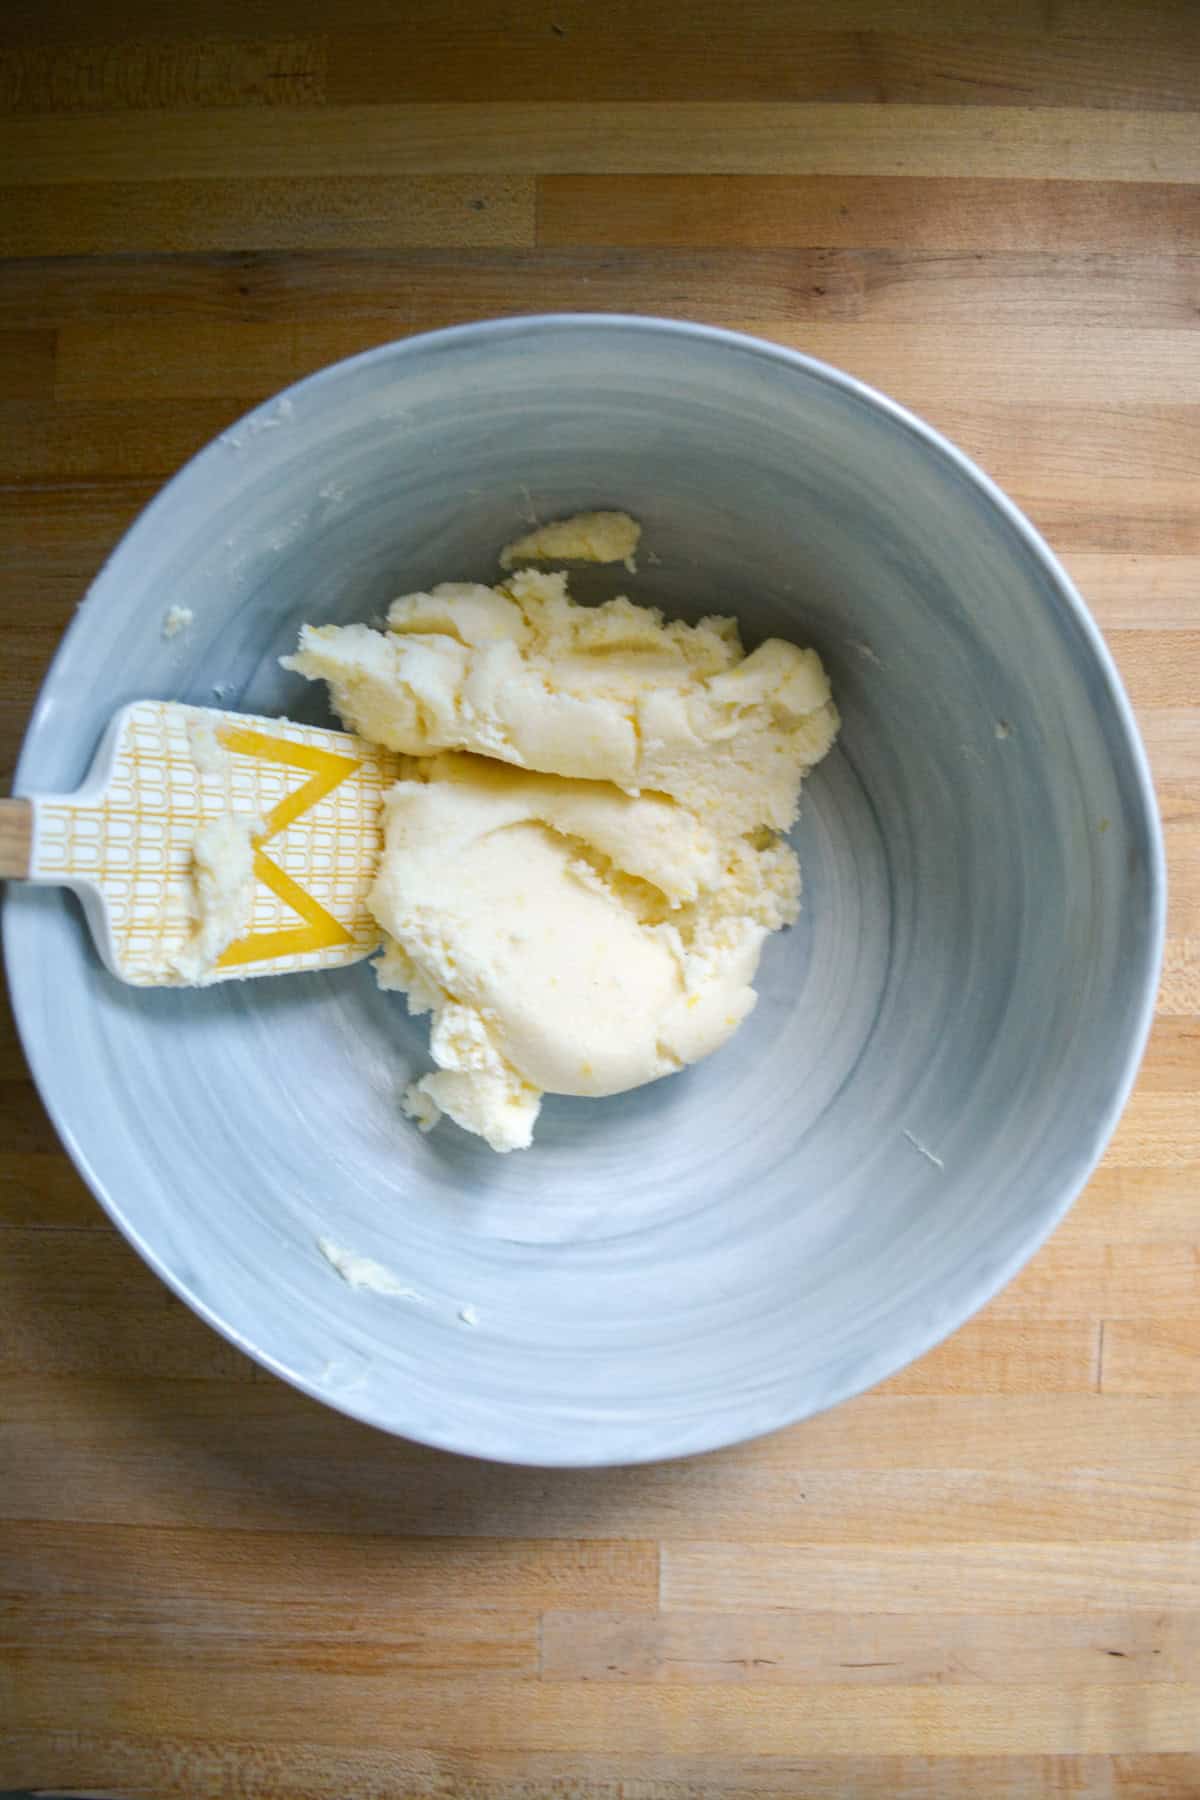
[584, 854]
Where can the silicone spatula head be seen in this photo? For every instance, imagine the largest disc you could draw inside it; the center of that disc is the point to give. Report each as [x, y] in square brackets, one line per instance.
[300, 804]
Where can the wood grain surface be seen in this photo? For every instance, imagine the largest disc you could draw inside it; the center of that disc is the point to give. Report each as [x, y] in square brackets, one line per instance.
[982, 1579]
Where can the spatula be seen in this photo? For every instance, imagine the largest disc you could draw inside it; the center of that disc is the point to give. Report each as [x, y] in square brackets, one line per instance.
[125, 840]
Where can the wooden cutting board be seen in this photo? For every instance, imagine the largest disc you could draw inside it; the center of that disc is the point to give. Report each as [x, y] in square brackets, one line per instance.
[984, 1577]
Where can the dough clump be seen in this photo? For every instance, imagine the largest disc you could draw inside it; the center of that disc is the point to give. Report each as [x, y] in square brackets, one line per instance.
[584, 855]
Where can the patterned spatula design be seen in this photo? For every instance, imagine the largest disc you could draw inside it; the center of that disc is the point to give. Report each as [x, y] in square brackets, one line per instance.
[124, 842]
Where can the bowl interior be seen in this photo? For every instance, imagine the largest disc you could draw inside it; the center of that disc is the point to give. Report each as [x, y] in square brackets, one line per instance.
[940, 1045]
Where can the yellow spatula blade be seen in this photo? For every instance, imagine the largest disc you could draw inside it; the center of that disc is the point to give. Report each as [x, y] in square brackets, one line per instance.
[125, 840]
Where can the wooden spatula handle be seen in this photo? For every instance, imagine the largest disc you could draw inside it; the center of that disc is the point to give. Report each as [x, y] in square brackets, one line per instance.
[16, 838]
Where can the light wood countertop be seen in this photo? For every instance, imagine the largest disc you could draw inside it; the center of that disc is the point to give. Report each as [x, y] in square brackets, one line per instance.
[982, 1579]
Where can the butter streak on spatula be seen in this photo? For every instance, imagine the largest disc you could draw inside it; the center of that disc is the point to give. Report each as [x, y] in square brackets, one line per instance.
[309, 798]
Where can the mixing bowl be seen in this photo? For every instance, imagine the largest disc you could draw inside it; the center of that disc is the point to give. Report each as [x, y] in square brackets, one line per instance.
[941, 1047]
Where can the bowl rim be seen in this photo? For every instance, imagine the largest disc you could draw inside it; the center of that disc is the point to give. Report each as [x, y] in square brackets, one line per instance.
[605, 1449]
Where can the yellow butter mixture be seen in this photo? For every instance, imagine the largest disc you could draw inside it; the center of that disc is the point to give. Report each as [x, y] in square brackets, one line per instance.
[585, 852]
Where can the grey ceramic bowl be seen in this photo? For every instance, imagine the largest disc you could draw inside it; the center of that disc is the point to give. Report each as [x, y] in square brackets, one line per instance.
[942, 1045]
